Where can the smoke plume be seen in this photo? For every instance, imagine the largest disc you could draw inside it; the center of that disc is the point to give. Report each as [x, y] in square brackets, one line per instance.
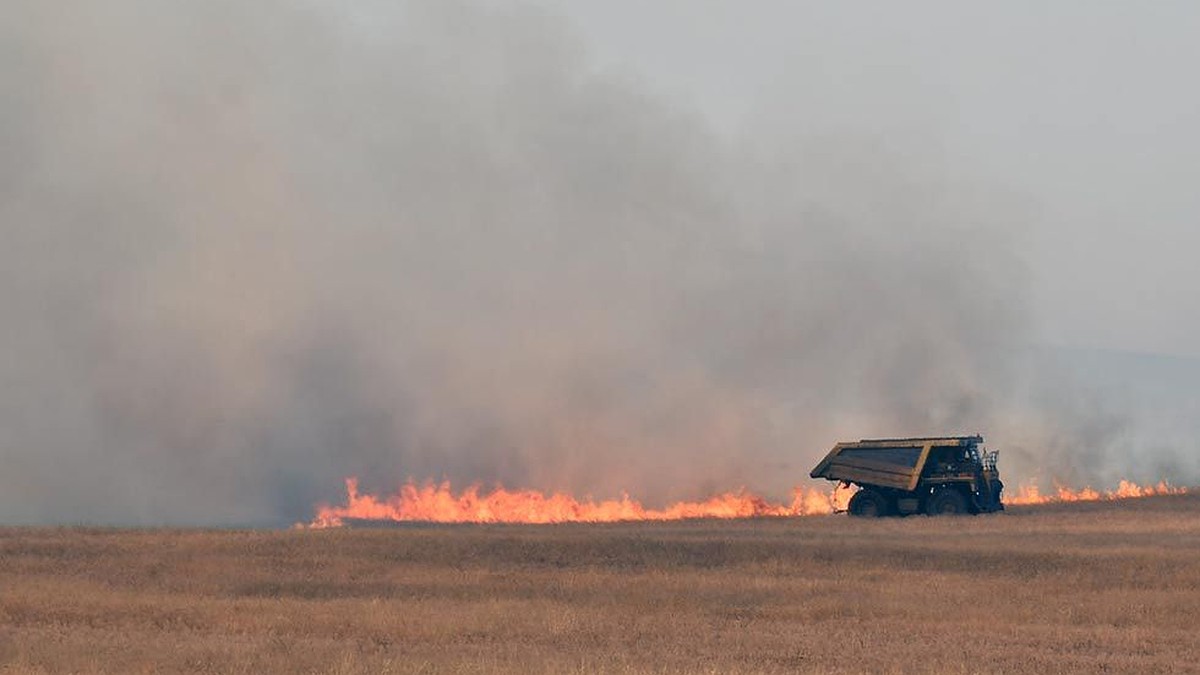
[251, 248]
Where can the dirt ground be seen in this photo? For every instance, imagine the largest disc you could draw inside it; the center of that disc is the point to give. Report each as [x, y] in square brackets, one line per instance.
[1106, 587]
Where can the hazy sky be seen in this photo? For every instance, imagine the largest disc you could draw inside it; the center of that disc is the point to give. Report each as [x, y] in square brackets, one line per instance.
[1087, 112]
[667, 248]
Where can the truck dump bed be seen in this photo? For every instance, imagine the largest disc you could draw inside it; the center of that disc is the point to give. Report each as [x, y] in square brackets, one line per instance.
[887, 462]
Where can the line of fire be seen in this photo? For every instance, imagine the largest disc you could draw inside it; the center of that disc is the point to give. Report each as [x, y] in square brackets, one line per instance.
[937, 476]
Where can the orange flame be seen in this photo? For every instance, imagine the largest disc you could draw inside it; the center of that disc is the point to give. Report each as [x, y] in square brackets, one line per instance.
[439, 504]
[1030, 494]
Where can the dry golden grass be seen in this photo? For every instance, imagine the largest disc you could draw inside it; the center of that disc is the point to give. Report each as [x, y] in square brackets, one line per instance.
[1085, 588]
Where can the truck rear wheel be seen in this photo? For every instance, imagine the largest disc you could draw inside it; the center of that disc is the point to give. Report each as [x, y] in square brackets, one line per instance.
[868, 504]
[946, 502]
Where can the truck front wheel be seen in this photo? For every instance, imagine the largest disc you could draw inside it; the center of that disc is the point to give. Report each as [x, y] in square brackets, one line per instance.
[868, 504]
[946, 502]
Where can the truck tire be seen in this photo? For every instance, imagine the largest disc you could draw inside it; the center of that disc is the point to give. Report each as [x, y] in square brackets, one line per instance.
[946, 502]
[868, 504]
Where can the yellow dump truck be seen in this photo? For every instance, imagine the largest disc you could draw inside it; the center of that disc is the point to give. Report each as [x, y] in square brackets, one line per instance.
[899, 476]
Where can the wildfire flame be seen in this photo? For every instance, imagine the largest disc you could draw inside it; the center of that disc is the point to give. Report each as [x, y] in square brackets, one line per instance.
[438, 503]
[1030, 494]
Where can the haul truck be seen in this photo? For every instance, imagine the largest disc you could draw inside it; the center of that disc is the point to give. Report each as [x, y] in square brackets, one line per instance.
[900, 476]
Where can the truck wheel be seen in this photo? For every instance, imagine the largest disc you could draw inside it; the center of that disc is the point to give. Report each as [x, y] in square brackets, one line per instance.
[946, 502]
[868, 504]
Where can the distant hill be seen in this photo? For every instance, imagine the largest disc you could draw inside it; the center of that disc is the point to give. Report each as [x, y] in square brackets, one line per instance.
[1150, 379]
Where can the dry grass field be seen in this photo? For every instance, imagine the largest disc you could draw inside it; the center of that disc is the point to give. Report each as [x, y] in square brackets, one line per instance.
[1109, 587]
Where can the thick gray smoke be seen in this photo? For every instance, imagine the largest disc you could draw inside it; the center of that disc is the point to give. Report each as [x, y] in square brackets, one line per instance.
[251, 248]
